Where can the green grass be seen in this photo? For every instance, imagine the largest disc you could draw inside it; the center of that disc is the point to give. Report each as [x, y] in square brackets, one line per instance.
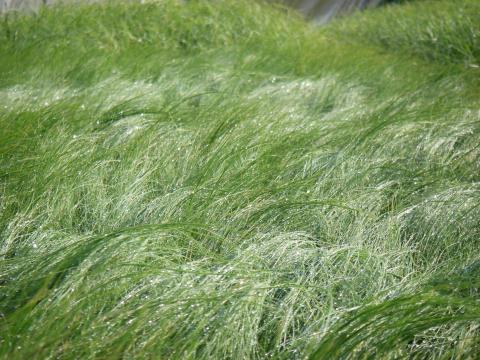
[221, 179]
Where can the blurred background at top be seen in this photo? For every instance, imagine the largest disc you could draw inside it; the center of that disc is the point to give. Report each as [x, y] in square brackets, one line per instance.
[323, 10]
[318, 10]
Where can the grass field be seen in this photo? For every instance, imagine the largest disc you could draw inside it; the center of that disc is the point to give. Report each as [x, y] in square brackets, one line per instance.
[223, 180]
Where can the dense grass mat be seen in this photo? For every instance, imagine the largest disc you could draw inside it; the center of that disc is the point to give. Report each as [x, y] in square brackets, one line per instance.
[222, 180]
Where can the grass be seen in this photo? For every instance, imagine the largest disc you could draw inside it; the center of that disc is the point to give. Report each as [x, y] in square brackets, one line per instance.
[224, 180]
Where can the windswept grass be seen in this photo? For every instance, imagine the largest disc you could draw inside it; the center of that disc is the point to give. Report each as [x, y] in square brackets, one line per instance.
[223, 180]
[447, 33]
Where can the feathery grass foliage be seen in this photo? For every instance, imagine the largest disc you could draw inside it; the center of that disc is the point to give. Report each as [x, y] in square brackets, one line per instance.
[224, 180]
[448, 32]
[446, 310]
